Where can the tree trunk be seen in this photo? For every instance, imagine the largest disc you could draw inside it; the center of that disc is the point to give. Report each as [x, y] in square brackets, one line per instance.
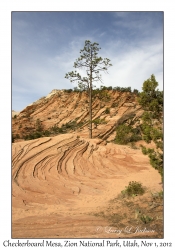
[90, 98]
[90, 111]
[90, 101]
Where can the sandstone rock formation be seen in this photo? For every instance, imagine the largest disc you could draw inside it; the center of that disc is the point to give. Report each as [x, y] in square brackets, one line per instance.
[60, 183]
[60, 108]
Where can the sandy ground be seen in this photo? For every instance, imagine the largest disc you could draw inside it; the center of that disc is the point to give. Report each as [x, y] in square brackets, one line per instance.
[61, 184]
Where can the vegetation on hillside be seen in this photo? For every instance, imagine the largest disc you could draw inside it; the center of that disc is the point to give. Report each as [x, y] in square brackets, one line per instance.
[151, 126]
[151, 100]
[126, 134]
[31, 129]
[102, 88]
[52, 131]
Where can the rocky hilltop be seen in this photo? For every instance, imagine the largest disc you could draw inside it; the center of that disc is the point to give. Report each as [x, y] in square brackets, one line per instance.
[69, 113]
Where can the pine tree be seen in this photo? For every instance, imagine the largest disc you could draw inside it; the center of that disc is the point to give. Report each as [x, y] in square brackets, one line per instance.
[151, 100]
[93, 65]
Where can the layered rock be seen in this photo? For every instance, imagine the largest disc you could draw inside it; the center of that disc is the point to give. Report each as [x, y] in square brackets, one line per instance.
[60, 107]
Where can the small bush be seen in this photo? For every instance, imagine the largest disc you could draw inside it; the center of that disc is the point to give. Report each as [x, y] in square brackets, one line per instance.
[122, 89]
[68, 90]
[133, 189]
[38, 125]
[69, 125]
[33, 136]
[125, 134]
[145, 218]
[135, 91]
[55, 129]
[99, 121]
[76, 90]
[107, 111]
[147, 151]
[46, 133]
[60, 130]
[17, 136]
[156, 159]
[144, 150]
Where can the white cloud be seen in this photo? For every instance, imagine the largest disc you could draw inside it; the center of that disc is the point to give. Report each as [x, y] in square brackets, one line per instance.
[41, 59]
[134, 64]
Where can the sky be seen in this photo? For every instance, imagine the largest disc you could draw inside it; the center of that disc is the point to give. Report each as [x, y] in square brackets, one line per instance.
[45, 46]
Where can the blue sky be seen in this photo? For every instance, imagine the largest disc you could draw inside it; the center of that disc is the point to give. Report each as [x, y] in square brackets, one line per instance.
[45, 46]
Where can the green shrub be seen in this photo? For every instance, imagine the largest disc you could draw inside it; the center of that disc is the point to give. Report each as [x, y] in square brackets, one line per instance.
[135, 91]
[68, 90]
[144, 150]
[151, 100]
[134, 188]
[17, 136]
[156, 159]
[37, 134]
[145, 218]
[122, 89]
[55, 129]
[135, 135]
[146, 129]
[39, 126]
[33, 136]
[101, 93]
[60, 130]
[76, 90]
[107, 111]
[69, 125]
[98, 121]
[147, 151]
[46, 133]
[72, 125]
[125, 134]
